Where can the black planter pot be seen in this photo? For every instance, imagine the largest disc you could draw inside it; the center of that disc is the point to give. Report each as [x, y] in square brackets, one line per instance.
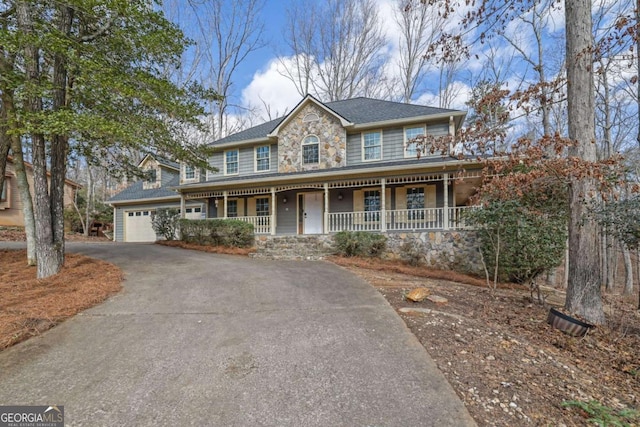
[567, 324]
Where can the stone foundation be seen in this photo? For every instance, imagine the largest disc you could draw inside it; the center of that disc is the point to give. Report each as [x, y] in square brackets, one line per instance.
[447, 250]
[310, 247]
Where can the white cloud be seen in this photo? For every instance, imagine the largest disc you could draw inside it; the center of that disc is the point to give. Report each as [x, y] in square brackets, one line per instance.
[270, 87]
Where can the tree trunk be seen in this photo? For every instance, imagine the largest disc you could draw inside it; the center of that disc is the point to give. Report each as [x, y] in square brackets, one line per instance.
[628, 270]
[48, 261]
[89, 202]
[583, 289]
[27, 201]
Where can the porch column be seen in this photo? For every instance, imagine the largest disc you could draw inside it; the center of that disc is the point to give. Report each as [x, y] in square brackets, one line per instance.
[383, 205]
[274, 210]
[326, 208]
[183, 205]
[445, 225]
[452, 132]
[225, 195]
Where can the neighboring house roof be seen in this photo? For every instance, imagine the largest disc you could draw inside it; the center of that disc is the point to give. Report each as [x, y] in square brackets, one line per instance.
[136, 192]
[358, 111]
[30, 166]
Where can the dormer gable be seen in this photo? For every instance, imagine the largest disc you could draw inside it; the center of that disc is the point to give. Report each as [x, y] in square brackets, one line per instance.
[309, 116]
[311, 137]
[152, 166]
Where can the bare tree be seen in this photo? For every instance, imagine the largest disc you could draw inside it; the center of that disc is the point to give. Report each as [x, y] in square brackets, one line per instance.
[420, 24]
[337, 48]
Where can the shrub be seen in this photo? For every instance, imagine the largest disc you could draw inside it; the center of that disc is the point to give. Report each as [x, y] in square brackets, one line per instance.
[165, 223]
[360, 243]
[217, 232]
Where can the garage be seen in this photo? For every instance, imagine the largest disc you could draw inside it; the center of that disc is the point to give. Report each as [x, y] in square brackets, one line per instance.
[193, 213]
[138, 226]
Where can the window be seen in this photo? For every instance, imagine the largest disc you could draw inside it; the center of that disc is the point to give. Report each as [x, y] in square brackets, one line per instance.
[189, 172]
[130, 213]
[145, 213]
[151, 176]
[372, 145]
[415, 201]
[311, 117]
[372, 205]
[3, 193]
[231, 162]
[262, 158]
[138, 213]
[310, 150]
[409, 134]
[262, 206]
[232, 208]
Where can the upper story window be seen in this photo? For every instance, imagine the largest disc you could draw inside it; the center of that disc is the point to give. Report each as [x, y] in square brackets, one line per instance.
[151, 176]
[263, 155]
[151, 179]
[310, 150]
[372, 145]
[409, 134]
[231, 162]
[189, 172]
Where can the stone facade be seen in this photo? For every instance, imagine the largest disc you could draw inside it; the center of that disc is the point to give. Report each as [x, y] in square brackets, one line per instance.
[447, 250]
[151, 164]
[310, 247]
[333, 140]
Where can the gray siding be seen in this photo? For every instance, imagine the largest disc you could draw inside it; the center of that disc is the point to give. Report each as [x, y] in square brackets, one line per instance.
[167, 175]
[392, 143]
[246, 159]
[287, 213]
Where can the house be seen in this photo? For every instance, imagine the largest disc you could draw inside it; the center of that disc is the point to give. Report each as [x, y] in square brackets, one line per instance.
[134, 207]
[11, 202]
[322, 168]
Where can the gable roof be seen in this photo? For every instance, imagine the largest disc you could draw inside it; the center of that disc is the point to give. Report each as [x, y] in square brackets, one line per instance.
[136, 192]
[29, 166]
[162, 161]
[309, 99]
[354, 112]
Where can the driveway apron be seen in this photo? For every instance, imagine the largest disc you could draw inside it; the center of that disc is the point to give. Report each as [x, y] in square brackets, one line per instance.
[213, 340]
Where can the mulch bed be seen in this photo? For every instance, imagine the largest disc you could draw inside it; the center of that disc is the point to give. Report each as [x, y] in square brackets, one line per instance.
[505, 362]
[29, 306]
[204, 248]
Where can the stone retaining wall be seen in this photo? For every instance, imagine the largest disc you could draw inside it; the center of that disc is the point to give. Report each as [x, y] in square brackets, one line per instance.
[449, 250]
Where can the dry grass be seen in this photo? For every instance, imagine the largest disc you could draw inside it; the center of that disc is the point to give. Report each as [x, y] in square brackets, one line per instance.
[204, 248]
[29, 306]
[399, 267]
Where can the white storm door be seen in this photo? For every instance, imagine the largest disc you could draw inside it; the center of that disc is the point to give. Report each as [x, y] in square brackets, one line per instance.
[313, 215]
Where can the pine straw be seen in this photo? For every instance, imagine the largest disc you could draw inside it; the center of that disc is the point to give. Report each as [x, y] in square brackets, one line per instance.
[204, 248]
[396, 266]
[29, 306]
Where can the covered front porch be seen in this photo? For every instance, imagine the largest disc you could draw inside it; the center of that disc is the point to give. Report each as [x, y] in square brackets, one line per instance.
[386, 204]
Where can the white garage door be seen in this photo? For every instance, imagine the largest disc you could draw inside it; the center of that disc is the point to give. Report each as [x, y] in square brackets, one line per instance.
[138, 227]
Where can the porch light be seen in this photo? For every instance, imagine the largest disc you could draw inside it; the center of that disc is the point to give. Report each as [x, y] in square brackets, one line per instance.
[215, 201]
[284, 199]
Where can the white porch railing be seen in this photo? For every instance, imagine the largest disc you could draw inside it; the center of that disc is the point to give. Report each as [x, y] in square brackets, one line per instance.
[399, 220]
[261, 224]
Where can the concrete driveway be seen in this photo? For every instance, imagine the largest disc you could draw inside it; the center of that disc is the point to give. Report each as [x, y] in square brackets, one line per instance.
[213, 340]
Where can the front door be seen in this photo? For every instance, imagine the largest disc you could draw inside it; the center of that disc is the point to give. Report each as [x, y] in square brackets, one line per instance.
[311, 213]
